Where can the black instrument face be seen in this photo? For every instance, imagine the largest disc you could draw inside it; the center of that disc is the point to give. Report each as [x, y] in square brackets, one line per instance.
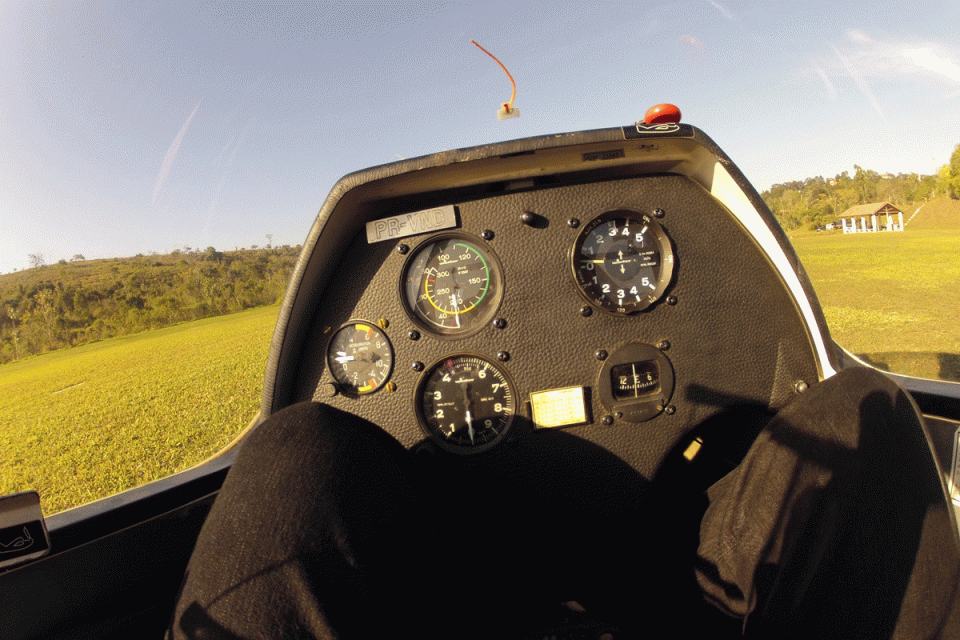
[452, 285]
[465, 403]
[622, 261]
[360, 358]
[636, 381]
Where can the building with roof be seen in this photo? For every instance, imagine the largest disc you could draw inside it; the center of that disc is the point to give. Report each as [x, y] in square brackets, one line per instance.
[860, 215]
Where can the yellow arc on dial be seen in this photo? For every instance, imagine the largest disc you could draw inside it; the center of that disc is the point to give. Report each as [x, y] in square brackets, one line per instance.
[452, 284]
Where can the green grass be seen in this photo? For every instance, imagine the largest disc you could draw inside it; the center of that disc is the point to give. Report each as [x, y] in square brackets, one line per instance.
[87, 422]
[891, 297]
[84, 423]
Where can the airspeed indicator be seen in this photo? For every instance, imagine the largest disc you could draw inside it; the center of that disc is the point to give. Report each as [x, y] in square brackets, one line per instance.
[452, 285]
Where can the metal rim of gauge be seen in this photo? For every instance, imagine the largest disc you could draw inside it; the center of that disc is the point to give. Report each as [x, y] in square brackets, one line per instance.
[637, 246]
[451, 285]
[359, 358]
[465, 403]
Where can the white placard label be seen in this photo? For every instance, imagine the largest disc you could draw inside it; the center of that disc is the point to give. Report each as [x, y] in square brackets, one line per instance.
[558, 407]
[411, 224]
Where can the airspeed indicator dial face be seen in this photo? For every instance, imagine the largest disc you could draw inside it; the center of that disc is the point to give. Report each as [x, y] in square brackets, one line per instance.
[452, 285]
[465, 403]
[622, 261]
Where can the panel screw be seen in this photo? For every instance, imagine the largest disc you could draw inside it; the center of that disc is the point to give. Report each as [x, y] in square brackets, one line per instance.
[417, 366]
[383, 323]
[391, 386]
[487, 235]
[600, 354]
[402, 249]
[671, 300]
[659, 213]
[586, 311]
[503, 356]
[800, 386]
[413, 335]
[670, 410]
[663, 345]
[499, 323]
[573, 223]
[528, 218]
[329, 390]
[607, 420]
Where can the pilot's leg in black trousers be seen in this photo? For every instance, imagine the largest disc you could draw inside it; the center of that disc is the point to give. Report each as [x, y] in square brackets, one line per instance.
[834, 525]
[316, 533]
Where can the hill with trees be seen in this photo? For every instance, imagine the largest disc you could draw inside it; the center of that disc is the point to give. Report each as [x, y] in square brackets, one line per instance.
[815, 202]
[66, 304]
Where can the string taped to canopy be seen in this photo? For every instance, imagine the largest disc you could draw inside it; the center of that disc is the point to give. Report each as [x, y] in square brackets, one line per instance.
[507, 110]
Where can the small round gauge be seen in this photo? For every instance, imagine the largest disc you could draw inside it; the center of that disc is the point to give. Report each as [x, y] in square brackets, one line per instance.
[636, 381]
[622, 261]
[360, 358]
[465, 403]
[452, 285]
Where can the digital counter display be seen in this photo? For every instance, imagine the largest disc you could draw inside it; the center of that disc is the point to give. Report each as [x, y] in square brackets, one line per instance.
[635, 379]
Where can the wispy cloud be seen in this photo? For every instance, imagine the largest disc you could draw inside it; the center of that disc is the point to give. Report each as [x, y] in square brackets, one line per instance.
[927, 59]
[224, 164]
[719, 7]
[859, 36]
[170, 156]
[831, 90]
[864, 58]
[882, 58]
[860, 82]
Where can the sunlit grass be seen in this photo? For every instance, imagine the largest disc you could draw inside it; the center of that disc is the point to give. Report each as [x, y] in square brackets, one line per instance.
[890, 293]
[84, 423]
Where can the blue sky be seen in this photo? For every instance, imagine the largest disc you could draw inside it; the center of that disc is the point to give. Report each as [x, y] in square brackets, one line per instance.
[148, 126]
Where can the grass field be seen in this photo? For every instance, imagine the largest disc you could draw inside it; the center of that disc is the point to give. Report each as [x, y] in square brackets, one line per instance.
[891, 298]
[84, 423]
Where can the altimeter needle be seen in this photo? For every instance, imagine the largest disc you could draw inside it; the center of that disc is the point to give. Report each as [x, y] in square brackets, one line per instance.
[467, 414]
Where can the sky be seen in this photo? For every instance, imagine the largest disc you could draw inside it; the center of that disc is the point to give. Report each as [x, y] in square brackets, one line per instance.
[133, 127]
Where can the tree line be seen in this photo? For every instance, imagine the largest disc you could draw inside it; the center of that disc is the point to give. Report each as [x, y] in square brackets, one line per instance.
[815, 202]
[68, 304]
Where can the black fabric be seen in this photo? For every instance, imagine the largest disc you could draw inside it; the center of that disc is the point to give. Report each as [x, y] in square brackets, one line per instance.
[311, 532]
[832, 526]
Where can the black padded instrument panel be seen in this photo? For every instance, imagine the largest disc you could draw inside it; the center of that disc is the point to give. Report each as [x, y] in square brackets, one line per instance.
[735, 336]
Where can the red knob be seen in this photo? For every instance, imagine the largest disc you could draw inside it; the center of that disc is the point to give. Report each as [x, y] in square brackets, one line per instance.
[661, 114]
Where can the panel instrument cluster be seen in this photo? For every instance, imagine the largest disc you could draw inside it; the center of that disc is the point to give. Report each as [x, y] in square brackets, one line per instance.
[617, 287]
[451, 286]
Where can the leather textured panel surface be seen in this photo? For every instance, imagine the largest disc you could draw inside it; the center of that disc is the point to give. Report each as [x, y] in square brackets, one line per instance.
[736, 338]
